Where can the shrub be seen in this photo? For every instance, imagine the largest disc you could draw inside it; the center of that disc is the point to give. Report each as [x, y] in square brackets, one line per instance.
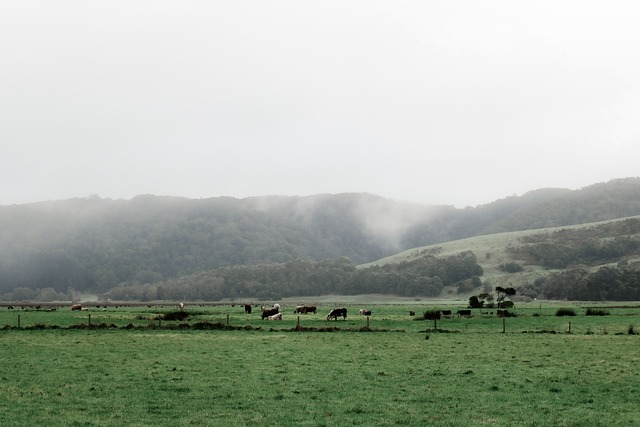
[175, 315]
[565, 312]
[475, 302]
[597, 312]
[432, 314]
[506, 313]
[506, 304]
[511, 267]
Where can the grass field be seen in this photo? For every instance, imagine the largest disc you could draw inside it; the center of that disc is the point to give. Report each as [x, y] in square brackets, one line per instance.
[398, 372]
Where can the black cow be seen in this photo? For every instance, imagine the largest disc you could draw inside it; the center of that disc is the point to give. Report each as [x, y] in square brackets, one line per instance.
[337, 312]
[266, 312]
[465, 313]
[304, 309]
[446, 313]
[247, 308]
[412, 313]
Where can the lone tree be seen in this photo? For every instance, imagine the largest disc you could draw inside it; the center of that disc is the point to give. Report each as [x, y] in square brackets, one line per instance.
[502, 294]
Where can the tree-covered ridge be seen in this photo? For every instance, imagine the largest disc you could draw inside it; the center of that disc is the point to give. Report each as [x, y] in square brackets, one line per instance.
[422, 277]
[94, 244]
[597, 245]
[615, 283]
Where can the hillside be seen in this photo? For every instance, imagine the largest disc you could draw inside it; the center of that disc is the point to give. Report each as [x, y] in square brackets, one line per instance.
[536, 255]
[94, 244]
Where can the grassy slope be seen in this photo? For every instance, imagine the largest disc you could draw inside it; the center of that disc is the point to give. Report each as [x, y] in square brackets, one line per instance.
[491, 251]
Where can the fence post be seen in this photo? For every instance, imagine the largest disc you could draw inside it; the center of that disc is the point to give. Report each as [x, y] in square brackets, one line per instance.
[227, 319]
[89, 319]
[435, 324]
[18, 321]
[569, 327]
[504, 325]
[298, 322]
[367, 322]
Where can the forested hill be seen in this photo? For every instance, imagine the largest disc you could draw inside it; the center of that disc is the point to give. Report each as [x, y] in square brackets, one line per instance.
[95, 244]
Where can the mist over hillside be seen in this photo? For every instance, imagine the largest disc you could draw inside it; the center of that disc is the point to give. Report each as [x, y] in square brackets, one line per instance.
[94, 244]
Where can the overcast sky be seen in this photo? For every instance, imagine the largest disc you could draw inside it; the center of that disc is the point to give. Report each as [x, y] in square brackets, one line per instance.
[435, 102]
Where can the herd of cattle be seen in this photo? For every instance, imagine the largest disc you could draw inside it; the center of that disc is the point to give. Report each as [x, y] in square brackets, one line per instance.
[274, 313]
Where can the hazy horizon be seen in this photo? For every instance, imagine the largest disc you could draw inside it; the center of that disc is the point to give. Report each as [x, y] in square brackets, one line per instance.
[437, 103]
[88, 196]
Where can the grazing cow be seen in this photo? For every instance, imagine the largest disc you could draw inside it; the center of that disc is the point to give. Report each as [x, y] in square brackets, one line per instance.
[310, 309]
[337, 312]
[304, 309]
[247, 308]
[446, 313]
[277, 316]
[266, 312]
[75, 307]
[365, 312]
[412, 313]
[464, 313]
[181, 306]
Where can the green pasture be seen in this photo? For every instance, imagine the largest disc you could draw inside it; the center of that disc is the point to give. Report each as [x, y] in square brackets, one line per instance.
[532, 317]
[399, 371]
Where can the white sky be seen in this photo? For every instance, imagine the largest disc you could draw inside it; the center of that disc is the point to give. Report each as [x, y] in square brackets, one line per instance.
[436, 102]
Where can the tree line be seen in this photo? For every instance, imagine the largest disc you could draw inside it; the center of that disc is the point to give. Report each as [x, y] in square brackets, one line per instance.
[621, 283]
[423, 277]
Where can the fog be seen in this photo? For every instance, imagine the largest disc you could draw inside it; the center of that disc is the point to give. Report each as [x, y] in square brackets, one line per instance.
[457, 103]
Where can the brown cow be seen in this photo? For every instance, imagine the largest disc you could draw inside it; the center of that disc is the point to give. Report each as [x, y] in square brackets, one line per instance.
[75, 307]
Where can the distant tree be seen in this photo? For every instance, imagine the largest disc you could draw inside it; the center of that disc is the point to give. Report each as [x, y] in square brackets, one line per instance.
[503, 293]
[475, 302]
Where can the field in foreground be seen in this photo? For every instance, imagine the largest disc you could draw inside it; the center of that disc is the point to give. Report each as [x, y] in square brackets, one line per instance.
[470, 373]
